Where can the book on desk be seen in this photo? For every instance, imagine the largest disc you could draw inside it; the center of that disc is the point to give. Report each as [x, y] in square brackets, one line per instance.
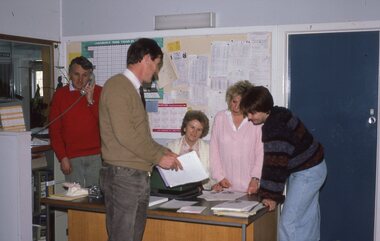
[238, 208]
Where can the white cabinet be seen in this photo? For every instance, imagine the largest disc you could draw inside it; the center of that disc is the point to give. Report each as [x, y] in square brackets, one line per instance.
[15, 185]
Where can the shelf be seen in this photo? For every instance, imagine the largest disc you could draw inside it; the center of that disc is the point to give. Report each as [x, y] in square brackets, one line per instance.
[36, 149]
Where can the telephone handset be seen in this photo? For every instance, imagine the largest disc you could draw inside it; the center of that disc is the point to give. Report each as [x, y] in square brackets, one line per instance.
[91, 82]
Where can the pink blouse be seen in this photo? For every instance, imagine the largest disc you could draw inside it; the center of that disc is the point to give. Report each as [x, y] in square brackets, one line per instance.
[235, 154]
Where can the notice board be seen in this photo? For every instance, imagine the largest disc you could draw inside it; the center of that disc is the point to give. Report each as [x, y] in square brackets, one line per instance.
[197, 71]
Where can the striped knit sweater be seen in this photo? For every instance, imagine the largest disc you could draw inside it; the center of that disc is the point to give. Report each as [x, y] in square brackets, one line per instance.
[288, 147]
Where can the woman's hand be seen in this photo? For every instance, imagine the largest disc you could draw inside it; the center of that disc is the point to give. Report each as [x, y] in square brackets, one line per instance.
[225, 183]
[253, 186]
[217, 188]
[221, 185]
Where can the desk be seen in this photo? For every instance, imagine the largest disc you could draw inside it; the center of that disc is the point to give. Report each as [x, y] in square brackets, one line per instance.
[86, 221]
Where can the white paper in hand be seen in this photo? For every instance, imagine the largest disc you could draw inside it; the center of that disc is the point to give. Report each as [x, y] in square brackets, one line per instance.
[193, 171]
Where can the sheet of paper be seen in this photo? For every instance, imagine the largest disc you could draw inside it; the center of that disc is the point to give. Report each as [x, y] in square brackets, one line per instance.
[221, 196]
[176, 204]
[191, 209]
[193, 171]
[168, 73]
[179, 60]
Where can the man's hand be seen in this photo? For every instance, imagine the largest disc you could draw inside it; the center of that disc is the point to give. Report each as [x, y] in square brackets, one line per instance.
[169, 161]
[269, 203]
[89, 93]
[66, 166]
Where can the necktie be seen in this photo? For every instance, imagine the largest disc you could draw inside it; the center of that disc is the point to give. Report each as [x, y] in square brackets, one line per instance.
[142, 95]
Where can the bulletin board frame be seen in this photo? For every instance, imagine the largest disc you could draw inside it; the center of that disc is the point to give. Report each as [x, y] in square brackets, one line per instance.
[200, 47]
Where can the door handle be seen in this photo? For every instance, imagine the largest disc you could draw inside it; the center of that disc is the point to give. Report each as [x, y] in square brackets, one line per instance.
[372, 118]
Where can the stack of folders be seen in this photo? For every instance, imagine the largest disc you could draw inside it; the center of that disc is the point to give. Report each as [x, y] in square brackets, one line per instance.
[237, 208]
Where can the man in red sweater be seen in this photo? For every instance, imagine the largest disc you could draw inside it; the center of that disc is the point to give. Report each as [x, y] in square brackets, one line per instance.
[74, 129]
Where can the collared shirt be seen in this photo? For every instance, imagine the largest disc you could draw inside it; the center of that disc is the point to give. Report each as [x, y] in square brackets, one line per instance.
[132, 77]
[235, 155]
[71, 86]
[185, 147]
[231, 121]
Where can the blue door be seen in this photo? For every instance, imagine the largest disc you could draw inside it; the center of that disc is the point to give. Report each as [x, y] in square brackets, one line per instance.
[334, 90]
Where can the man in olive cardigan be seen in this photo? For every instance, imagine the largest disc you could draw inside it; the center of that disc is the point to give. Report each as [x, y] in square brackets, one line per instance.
[128, 150]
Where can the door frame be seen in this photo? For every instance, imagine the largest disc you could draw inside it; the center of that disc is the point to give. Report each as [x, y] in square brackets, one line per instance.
[281, 87]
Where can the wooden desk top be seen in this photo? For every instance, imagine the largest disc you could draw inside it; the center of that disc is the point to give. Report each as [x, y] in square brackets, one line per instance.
[207, 216]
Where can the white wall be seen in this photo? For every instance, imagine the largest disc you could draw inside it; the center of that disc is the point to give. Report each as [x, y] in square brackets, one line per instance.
[31, 18]
[89, 17]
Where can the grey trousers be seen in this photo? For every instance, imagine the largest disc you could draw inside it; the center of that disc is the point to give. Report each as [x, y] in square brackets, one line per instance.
[85, 170]
[126, 196]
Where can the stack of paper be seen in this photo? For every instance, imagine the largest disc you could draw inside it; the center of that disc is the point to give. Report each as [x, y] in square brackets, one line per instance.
[154, 200]
[64, 197]
[176, 204]
[238, 208]
[221, 196]
[191, 209]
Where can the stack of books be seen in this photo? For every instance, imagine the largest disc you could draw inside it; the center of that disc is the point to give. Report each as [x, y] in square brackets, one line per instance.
[12, 118]
[237, 208]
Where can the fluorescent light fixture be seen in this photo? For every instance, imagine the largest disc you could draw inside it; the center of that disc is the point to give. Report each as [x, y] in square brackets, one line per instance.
[184, 21]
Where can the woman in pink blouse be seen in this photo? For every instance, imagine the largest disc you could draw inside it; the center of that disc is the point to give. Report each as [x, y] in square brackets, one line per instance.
[236, 149]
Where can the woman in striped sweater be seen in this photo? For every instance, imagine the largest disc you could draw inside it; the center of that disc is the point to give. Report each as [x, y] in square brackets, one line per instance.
[293, 155]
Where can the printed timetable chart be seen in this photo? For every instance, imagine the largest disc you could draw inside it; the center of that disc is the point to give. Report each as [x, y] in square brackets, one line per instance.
[108, 56]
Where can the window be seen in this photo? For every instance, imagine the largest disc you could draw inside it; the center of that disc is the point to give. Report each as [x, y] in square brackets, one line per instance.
[26, 74]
